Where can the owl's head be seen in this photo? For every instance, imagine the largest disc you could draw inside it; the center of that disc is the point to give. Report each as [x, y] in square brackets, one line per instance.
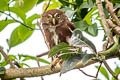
[53, 17]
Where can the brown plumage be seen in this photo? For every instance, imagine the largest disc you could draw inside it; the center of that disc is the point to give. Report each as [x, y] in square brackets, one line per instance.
[56, 27]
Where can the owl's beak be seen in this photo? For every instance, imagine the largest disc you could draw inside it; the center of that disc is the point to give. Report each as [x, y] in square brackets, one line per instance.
[53, 21]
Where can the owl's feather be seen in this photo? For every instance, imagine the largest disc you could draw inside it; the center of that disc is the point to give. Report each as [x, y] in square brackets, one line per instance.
[57, 28]
[59, 31]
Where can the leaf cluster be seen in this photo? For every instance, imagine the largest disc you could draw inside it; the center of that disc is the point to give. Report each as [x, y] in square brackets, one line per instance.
[23, 31]
[83, 14]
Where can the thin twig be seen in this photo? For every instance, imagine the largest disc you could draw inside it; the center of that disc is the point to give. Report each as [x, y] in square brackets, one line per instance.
[87, 74]
[17, 64]
[91, 75]
[6, 58]
[43, 54]
[8, 8]
[98, 69]
[37, 59]
[103, 18]
[47, 6]
[18, 21]
[110, 70]
[105, 47]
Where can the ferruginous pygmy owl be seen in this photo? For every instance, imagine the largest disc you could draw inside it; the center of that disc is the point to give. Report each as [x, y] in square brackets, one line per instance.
[56, 27]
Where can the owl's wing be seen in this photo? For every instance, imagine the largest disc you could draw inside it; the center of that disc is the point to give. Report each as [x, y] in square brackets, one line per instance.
[48, 37]
[43, 33]
[71, 25]
[71, 28]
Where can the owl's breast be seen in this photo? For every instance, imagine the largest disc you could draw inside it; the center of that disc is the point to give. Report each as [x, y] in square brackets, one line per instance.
[63, 32]
[52, 29]
[55, 36]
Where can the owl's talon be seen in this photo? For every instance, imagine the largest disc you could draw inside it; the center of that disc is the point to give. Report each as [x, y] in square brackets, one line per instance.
[52, 67]
[54, 63]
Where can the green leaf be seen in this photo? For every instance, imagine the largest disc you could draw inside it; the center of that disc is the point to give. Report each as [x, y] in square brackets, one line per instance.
[26, 58]
[4, 23]
[24, 64]
[19, 12]
[107, 14]
[89, 43]
[82, 25]
[77, 39]
[89, 4]
[0, 57]
[31, 18]
[66, 55]
[103, 72]
[44, 61]
[87, 57]
[19, 35]
[39, 1]
[3, 5]
[115, 1]
[58, 48]
[71, 62]
[117, 6]
[90, 29]
[79, 2]
[64, 2]
[55, 4]
[30, 57]
[28, 5]
[93, 30]
[2, 70]
[19, 56]
[69, 12]
[34, 58]
[3, 63]
[89, 15]
[22, 33]
[12, 57]
[117, 71]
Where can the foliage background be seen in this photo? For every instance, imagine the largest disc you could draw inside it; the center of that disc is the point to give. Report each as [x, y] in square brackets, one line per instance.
[23, 43]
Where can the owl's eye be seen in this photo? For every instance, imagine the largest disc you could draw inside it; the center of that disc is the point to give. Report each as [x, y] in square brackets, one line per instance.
[48, 18]
[58, 16]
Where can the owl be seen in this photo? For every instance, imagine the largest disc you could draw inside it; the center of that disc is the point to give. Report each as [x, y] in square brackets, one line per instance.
[56, 27]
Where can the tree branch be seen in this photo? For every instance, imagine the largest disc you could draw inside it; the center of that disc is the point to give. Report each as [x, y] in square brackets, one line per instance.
[42, 71]
[110, 8]
[6, 58]
[103, 18]
[106, 64]
[110, 70]
[114, 27]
